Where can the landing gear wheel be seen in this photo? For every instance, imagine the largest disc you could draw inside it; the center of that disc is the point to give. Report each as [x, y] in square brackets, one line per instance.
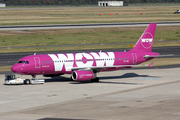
[71, 78]
[27, 81]
[95, 80]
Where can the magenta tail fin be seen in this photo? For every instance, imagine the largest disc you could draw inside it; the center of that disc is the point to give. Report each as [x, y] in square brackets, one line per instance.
[145, 42]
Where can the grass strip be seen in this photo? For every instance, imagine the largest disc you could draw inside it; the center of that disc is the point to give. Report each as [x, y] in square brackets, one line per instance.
[76, 15]
[5, 68]
[163, 61]
[102, 36]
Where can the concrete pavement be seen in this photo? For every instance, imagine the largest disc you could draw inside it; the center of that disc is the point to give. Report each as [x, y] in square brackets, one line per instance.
[151, 94]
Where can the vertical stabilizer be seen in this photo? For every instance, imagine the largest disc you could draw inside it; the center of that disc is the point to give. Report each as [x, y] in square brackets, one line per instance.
[145, 42]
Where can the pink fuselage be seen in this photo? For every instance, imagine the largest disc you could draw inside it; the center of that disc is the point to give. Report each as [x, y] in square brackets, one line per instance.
[63, 63]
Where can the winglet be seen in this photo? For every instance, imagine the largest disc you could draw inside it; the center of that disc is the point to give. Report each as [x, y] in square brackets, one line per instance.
[150, 65]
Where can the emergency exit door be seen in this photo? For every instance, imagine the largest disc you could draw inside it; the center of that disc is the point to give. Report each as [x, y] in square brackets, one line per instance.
[37, 62]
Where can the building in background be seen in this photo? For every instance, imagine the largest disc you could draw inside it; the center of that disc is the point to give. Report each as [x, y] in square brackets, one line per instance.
[110, 3]
[2, 5]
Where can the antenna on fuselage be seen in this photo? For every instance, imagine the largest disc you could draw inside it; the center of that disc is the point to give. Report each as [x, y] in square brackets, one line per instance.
[124, 50]
[34, 53]
[100, 50]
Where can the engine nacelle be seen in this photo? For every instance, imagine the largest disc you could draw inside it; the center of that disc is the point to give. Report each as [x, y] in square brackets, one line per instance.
[83, 75]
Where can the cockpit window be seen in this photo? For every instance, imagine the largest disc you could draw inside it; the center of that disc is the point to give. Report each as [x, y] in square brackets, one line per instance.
[24, 62]
[20, 61]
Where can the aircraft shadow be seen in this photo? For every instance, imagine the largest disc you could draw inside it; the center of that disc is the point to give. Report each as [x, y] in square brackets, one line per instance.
[126, 75]
[58, 79]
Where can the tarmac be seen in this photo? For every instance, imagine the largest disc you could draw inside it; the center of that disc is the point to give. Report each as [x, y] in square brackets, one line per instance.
[134, 94]
[71, 26]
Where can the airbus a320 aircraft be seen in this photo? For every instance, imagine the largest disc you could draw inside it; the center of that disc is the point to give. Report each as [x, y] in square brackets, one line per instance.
[85, 66]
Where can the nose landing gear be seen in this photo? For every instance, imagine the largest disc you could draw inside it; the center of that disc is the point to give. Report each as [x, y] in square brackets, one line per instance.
[33, 76]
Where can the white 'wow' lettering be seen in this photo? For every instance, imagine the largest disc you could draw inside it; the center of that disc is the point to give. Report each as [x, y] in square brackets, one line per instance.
[61, 59]
[147, 40]
[82, 60]
[103, 58]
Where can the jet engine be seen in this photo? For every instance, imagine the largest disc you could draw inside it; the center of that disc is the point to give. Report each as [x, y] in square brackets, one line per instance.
[82, 75]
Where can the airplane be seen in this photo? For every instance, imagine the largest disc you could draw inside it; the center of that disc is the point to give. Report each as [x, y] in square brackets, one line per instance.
[85, 66]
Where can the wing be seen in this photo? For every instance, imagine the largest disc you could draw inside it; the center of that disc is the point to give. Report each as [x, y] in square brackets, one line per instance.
[100, 68]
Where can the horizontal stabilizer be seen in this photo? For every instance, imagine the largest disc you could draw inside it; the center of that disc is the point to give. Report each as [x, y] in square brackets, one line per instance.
[150, 65]
[153, 56]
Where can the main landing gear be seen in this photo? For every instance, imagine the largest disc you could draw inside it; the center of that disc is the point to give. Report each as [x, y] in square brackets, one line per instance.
[95, 79]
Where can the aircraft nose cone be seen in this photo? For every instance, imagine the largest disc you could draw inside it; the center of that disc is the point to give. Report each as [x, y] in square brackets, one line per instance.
[15, 68]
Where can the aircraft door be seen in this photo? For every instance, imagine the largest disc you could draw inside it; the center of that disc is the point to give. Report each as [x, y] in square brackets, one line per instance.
[134, 56]
[37, 62]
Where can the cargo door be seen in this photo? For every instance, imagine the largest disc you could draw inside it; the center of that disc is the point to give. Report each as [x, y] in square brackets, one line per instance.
[134, 56]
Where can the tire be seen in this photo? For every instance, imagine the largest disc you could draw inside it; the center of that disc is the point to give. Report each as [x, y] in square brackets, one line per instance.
[27, 81]
[71, 78]
[95, 79]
